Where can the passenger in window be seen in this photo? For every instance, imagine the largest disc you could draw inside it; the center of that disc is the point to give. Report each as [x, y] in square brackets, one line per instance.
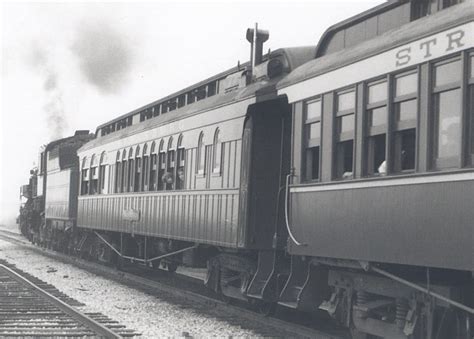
[167, 178]
[180, 181]
[382, 169]
[347, 175]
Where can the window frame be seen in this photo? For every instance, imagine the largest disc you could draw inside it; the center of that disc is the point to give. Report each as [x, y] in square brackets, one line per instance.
[145, 169]
[137, 187]
[399, 127]
[94, 175]
[124, 172]
[201, 156]
[131, 170]
[85, 176]
[311, 143]
[118, 170]
[217, 153]
[470, 108]
[102, 187]
[170, 165]
[445, 163]
[372, 132]
[161, 165]
[340, 137]
[180, 163]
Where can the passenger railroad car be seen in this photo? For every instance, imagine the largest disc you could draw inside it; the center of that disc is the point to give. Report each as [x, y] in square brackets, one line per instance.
[383, 179]
[200, 167]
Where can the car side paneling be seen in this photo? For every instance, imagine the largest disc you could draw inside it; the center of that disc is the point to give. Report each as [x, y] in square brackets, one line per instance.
[422, 220]
[207, 216]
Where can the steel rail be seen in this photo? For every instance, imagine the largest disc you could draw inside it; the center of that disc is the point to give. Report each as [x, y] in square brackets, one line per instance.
[145, 284]
[69, 310]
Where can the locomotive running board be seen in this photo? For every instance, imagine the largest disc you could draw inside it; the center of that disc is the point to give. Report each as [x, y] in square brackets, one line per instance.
[145, 261]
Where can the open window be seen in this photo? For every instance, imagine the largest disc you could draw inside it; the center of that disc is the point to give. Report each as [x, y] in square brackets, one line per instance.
[376, 119]
[345, 126]
[85, 176]
[217, 153]
[123, 175]
[161, 166]
[138, 170]
[168, 176]
[118, 174]
[447, 114]
[180, 173]
[405, 108]
[145, 168]
[312, 135]
[94, 175]
[201, 156]
[470, 117]
[153, 167]
[102, 171]
[131, 170]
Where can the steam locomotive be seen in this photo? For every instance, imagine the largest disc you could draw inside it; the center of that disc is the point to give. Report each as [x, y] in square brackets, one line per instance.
[335, 178]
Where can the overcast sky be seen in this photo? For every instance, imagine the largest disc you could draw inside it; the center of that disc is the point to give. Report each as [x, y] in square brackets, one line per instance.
[70, 66]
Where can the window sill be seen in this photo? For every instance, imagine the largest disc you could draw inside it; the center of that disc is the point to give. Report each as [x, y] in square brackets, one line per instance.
[398, 175]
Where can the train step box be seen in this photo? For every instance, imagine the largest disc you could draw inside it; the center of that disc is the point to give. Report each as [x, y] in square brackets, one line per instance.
[306, 286]
[264, 284]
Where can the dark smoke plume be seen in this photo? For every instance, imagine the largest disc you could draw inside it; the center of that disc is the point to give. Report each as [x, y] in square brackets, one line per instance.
[104, 56]
[54, 108]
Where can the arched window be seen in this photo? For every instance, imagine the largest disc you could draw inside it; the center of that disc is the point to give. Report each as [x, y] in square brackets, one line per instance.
[201, 155]
[102, 166]
[217, 153]
[153, 168]
[123, 175]
[171, 166]
[138, 170]
[145, 168]
[118, 173]
[94, 175]
[85, 176]
[161, 165]
[180, 173]
[131, 170]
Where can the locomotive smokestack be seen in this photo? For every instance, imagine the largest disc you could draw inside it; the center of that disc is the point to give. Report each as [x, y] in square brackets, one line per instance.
[256, 37]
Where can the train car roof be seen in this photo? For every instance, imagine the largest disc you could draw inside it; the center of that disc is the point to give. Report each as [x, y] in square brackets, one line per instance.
[295, 56]
[81, 134]
[448, 18]
[329, 33]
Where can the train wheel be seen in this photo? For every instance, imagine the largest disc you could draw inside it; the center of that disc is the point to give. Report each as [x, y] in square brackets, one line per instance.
[212, 280]
[171, 267]
[119, 263]
[456, 324]
[264, 307]
[356, 334]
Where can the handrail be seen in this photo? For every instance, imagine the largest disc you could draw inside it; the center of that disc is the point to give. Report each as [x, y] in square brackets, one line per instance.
[287, 193]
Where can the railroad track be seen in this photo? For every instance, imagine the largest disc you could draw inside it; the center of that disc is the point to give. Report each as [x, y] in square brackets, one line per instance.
[32, 308]
[200, 298]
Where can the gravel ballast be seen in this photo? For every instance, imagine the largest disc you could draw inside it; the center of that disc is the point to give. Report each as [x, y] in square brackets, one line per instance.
[149, 315]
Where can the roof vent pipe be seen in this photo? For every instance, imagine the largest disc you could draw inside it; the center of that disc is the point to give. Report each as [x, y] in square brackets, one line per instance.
[256, 37]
